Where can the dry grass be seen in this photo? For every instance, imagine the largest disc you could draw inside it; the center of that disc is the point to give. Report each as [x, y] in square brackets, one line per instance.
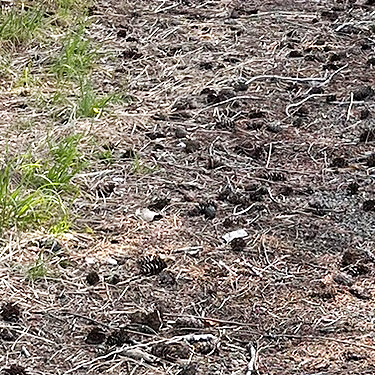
[277, 159]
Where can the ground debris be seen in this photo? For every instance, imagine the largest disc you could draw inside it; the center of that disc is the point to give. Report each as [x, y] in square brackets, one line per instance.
[92, 278]
[95, 337]
[14, 370]
[153, 319]
[10, 312]
[150, 265]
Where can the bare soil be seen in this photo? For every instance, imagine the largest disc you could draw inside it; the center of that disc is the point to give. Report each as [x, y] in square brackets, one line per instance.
[245, 115]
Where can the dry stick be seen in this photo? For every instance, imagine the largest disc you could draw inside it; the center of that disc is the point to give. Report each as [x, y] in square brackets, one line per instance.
[324, 79]
[350, 107]
[324, 82]
[135, 352]
[293, 105]
[226, 101]
[252, 365]
[241, 324]
[108, 355]
[340, 27]
[269, 156]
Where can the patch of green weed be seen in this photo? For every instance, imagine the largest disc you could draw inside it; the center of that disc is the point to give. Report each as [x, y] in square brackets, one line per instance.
[20, 206]
[19, 26]
[76, 58]
[89, 103]
[39, 192]
[138, 167]
[106, 156]
[38, 270]
[65, 163]
[62, 226]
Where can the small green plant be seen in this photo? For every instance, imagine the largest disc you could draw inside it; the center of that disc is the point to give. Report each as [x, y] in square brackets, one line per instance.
[17, 206]
[38, 270]
[138, 167]
[56, 171]
[39, 192]
[62, 226]
[106, 156]
[65, 163]
[25, 78]
[77, 57]
[90, 104]
[19, 26]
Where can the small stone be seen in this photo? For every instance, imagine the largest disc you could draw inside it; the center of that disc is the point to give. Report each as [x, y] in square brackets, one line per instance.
[208, 210]
[363, 93]
[111, 261]
[90, 261]
[92, 278]
[274, 128]
[166, 278]
[10, 312]
[51, 244]
[343, 279]
[180, 133]
[95, 337]
[191, 146]
[238, 244]
[360, 293]
[369, 205]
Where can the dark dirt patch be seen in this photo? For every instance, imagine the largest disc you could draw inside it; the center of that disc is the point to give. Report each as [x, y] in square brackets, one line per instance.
[10, 312]
[118, 338]
[95, 337]
[153, 319]
[92, 278]
[14, 370]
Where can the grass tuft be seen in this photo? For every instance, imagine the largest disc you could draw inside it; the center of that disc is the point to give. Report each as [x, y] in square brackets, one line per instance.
[77, 57]
[138, 167]
[38, 270]
[19, 26]
[35, 193]
[89, 103]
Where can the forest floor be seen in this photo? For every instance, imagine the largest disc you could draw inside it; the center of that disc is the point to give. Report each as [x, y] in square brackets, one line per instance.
[255, 118]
